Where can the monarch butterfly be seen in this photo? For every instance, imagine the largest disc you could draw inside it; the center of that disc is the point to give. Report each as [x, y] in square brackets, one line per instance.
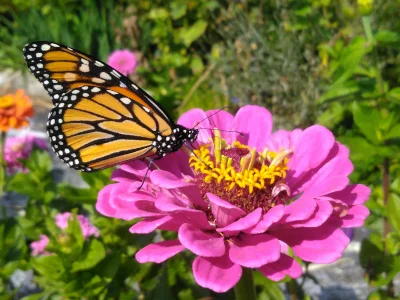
[100, 118]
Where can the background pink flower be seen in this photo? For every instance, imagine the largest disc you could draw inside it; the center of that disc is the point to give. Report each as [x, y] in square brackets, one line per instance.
[243, 202]
[38, 247]
[19, 148]
[87, 228]
[123, 61]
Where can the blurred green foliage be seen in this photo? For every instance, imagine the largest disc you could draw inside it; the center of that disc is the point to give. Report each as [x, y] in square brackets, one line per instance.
[308, 61]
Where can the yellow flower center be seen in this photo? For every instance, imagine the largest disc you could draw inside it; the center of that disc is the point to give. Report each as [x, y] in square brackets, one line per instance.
[6, 101]
[243, 176]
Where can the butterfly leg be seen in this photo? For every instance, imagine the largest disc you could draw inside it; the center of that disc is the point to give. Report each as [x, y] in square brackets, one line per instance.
[147, 171]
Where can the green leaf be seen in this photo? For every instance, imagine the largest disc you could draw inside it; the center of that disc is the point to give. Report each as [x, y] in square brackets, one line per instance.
[94, 253]
[394, 94]
[360, 148]
[393, 211]
[109, 266]
[189, 35]
[270, 289]
[387, 38]
[49, 266]
[367, 120]
[393, 133]
[339, 90]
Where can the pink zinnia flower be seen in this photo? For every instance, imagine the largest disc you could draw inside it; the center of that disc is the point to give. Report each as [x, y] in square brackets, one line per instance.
[38, 247]
[243, 200]
[20, 148]
[123, 61]
[87, 228]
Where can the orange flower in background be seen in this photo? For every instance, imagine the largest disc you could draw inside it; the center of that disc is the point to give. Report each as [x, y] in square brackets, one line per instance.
[15, 109]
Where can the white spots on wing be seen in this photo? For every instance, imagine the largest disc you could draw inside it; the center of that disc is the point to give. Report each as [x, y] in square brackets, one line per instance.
[98, 80]
[85, 95]
[85, 87]
[58, 87]
[32, 49]
[116, 74]
[69, 76]
[76, 91]
[60, 121]
[84, 68]
[32, 68]
[105, 75]
[112, 92]
[45, 47]
[99, 64]
[56, 96]
[73, 97]
[146, 109]
[46, 75]
[84, 61]
[67, 151]
[39, 54]
[50, 90]
[62, 104]
[126, 100]
[134, 86]
[76, 162]
[54, 45]
[29, 56]
[52, 122]
[159, 138]
[60, 152]
[95, 90]
[121, 84]
[39, 66]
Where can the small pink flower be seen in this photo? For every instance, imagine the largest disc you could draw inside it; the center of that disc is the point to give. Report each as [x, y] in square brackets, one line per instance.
[243, 200]
[20, 148]
[87, 228]
[123, 61]
[38, 247]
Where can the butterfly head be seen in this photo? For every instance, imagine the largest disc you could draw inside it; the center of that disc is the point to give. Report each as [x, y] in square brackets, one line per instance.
[184, 134]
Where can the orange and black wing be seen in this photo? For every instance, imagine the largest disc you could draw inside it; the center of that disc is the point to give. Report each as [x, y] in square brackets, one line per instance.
[61, 69]
[93, 128]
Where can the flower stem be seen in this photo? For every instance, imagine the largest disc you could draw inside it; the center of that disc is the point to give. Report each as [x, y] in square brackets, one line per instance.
[244, 289]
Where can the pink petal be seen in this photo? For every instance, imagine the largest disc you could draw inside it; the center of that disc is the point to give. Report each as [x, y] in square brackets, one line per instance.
[182, 213]
[285, 265]
[191, 118]
[224, 212]
[323, 245]
[300, 210]
[271, 217]
[321, 214]
[279, 140]
[216, 273]
[149, 224]
[254, 251]
[103, 205]
[242, 224]
[330, 178]
[201, 243]
[312, 148]
[355, 216]
[167, 180]
[222, 119]
[175, 163]
[354, 194]
[159, 252]
[255, 123]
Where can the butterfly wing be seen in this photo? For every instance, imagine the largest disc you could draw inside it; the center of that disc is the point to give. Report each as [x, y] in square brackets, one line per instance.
[61, 69]
[93, 128]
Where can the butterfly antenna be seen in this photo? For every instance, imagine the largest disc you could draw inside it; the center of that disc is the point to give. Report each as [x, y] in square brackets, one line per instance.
[219, 110]
[235, 131]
